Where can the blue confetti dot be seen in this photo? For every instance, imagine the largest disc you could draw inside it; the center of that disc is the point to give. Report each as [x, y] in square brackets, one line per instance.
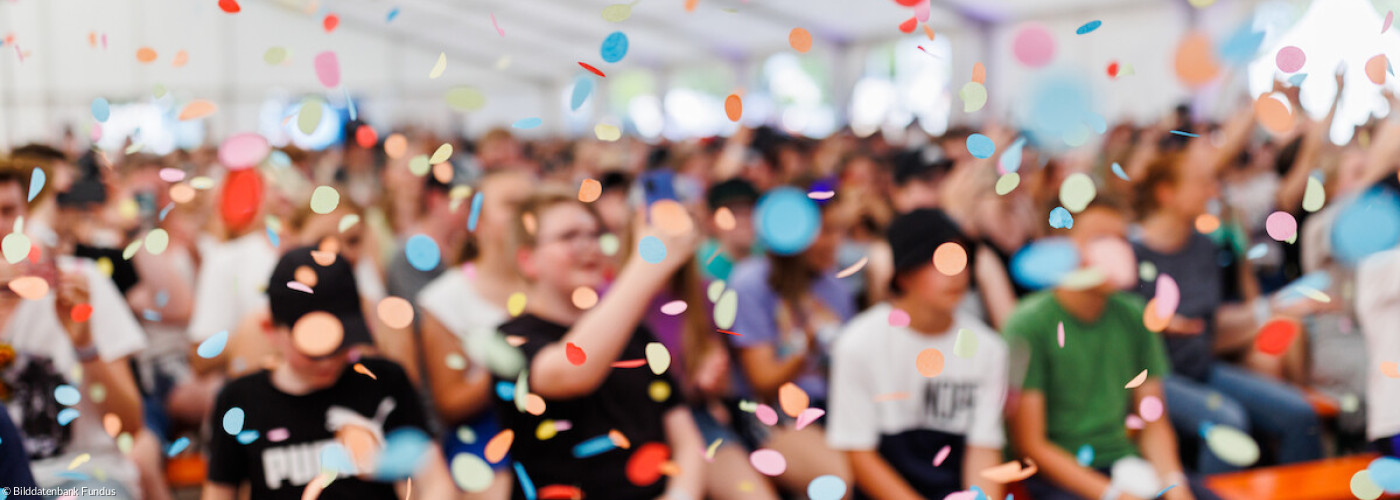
[787, 221]
[334, 457]
[1185, 134]
[526, 485]
[36, 182]
[614, 47]
[527, 123]
[1088, 27]
[1240, 47]
[826, 487]
[1385, 472]
[652, 249]
[1044, 263]
[1118, 171]
[981, 146]
[505, 390]
[594, 446]
[66, 415]
[1061, 218]
[1297, 79]
[233, 420]
[272, 237]
[212, 346]
[279, 158]
[422, 252]
[1010, 160]
[67, 395]
[101, 109]
[1367, 225]
[583, 87]
[178, 446]
[404, 450]
[392, 14]
[163, 297]
[1085, 456]
[476, 211]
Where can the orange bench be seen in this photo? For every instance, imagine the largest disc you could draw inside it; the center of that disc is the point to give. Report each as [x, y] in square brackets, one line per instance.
[185, 470]
[1328, 479]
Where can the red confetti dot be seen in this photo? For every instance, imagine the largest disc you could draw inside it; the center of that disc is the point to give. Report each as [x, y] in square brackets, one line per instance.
[81, 312]
[330, 22]
[366, 137]
[908, 3]
[908, 25]
[560, 492]
[230, 6]
[1276, 335]
[629, 363]
[1113, 69]
[590, 67]
[644, 468]
[241, 197]
[575, 354]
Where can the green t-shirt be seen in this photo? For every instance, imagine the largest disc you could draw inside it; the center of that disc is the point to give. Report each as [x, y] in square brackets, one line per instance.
[1085, 402]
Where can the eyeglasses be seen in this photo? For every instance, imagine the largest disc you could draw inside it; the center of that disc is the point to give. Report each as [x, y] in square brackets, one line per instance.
[579, 239]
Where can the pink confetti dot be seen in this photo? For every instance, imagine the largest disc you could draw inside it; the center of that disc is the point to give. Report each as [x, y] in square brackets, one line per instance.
[1034, 46]
[942, 455]
[278, 434]
[1281, 226]
[1290, 59]
[673, 308]
[1168, 296]
[768, 462]
[766, 414]
[898, 318]
[328, 69]
[1151, 408]
[1134, 422]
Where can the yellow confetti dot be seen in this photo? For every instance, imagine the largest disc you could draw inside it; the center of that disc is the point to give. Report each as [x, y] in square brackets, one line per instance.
[157, 241]
[465, 99]
[78, 461]
[1008, 183]
[658, 358]
[324, 200]
[419, 165]
[659, 390]
[440, 66]
[607, 133]
[515, 304]
[546, 430]
[442, 154]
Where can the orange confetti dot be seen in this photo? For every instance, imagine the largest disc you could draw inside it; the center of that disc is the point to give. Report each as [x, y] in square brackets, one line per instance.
[929, 32]
[691, 4]
[670, 216]
[1390, 369]
[585, 298]
[145, 54]
[979, 73]
[734, 107]
[800, 39]
[1010, 472]
[181, 193]
[198, 108]
[1151, 320]
[317, 334]
[1195, 60]
[534, 404]
[443, 172]
[619, 439]
[1375, 69]
[1276, 335]
[395, 312]
[29, 287]
[395, 146]
[229, 6]
[112, 424]
[360, 369]
[181, 58]
[950, 258]
[589, 191]
[305, 275]
[908, 25]
[724, 219]
[929, 362]
[497, 447]
[1273, 114]
[793, 399]
[1207, 223]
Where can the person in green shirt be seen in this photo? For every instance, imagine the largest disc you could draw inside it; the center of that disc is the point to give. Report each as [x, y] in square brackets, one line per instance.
[1072, 409]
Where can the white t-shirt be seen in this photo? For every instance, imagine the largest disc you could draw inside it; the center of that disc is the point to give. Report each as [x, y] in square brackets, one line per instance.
[453, 299]
[232, 283]
[872, 358]
[1378, 311]
[34, 331]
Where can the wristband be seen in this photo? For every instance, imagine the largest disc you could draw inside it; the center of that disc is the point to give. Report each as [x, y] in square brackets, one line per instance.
[1109, 493]
[87, 353]
[1175, 477]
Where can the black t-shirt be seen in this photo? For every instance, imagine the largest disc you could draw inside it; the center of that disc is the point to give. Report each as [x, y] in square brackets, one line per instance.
[623, 403]
[302, 426]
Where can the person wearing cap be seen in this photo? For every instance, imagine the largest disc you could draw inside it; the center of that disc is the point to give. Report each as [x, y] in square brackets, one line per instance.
[309, 419]
[916, 178]
[1083, 341]
[730, 244]
[954, 398]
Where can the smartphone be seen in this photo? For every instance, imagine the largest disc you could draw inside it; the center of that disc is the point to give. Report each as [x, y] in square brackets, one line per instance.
[659, 185]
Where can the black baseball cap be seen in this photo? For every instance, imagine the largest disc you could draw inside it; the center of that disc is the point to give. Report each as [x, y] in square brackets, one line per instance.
[915, 235]
[735, 190]
[334, 292]
[924, 164]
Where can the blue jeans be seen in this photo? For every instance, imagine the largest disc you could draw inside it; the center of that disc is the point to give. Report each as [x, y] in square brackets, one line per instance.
[1040, 488]
[1234, 397]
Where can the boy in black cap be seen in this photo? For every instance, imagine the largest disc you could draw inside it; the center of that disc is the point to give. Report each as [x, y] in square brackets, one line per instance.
[949, 367]
[729, 245]
[308, 420]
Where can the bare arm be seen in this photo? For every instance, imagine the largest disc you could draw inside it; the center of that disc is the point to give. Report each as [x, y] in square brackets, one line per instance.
[876, 478]
[1158, 441]
[1295, 183]
[994, 285]
[976, 460]
[217, 491]
[456, 395]
[766, 373]
[1028, 434]
[432, 479]
[123, 399]
[687, 452]
[398, 344]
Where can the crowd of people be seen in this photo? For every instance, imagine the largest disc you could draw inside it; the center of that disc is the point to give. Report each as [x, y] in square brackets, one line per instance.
[757, 316]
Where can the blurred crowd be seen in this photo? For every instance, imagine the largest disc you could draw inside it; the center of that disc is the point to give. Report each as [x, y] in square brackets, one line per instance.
[753, 316]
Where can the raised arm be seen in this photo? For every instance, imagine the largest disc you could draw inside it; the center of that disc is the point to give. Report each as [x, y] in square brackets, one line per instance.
[1295, 183]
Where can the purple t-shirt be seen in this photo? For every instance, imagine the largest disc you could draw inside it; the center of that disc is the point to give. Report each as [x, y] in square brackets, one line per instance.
[757, 322]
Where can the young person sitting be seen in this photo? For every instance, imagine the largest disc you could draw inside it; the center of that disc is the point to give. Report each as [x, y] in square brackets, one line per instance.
[310, 420]
[1072, 408]
[569, 354]
[891, 444]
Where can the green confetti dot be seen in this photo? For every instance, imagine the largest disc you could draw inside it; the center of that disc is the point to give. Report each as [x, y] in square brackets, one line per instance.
[324, 200]
[1147, 271]
[441, 155]
[617, 12]
[726, 308]
[1314, 196]
[130, 250]
[1363, 487]
[309, 116]
[465, 99]
[157, 240]
[716, 288]
[1234, 447]
[965, 346]
[973, 95]
[471, 473]
[609, 244]
[1008, 182]
[274, 55]
[1077, 191]
[419, 165]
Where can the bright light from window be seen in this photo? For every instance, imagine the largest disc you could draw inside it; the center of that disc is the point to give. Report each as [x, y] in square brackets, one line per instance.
[1331, 33]
[156, 129]
[901, 83]
[645, 113]
[797, 88]
[694, 114]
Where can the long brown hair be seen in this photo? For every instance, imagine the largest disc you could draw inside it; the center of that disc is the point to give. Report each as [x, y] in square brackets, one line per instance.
[1163, 169]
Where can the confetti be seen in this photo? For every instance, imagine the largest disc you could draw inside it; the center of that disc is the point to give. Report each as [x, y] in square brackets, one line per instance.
[1385, 472]
[330, 22]
[584, 298]
[471, 473]
[498, 446]
[66, 415]
[1137, 381]
[1363, 487]
[1077, 191]
[800, 39]
[196, 109]
[973, 95]
[67, 395]
[1033, 46]
[766, 414]
[658, 358]
[213, 346]
[651, 249]
[476, 211]
[515, 304]
[1009, 472]
[942, 455]
[1367, 225]
[590, 67]
[1085, 455]
[145, 54]
[1273, 114]
[395, 312]
[438, 67]
[614, 47]
[1276, 335]
[15, 246]
[1088, 27]
[950, 258]
[848, 271]
[309, 114]
[1150, 408]
[233, 420]
[589, 190]
[274, 55]
[670, 217]
[442, 154]
[1231, 445]
[1060, 334]
[673, 308]
[496, 25]
[826, 487]
[1195, 61]
[965, 346]
[594, 446]
[422, 252]
[1281, 226]
[898, 318]
[980, 146]
[1376, 68]
[1061, 218]
[617, 12]
[360, 369]
[1290, 59]
[29, 287]
[1044, 263]
[808, 416]
[393, 13]
[787, 221]
[527, 123]
[324, 200]
[644, 466]
[1390, 369]
[1007, 183]
[793, 399]
[575, 354]
[768, 462]
[81, 312]
[1168, 296]
[607, 133]
[1314, 196]
[229, 6]
[583, 87]
[733, 107]
[929, 362]
[465, 98]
